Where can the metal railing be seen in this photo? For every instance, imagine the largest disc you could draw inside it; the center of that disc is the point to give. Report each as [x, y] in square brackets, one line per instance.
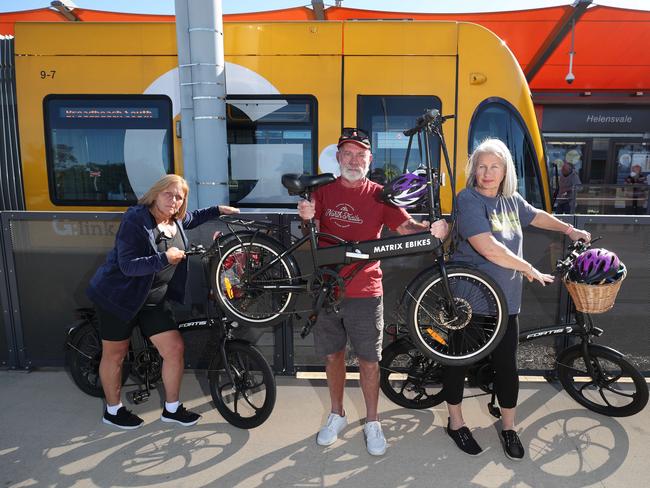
[625, 199]
[48, 258]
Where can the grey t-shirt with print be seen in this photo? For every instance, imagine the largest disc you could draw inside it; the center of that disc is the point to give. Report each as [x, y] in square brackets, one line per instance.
[504, 217]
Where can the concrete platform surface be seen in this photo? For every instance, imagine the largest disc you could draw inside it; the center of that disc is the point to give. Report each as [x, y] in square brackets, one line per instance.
[51, 436]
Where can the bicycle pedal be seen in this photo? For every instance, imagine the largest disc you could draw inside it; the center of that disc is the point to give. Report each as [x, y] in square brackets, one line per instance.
[139, 396]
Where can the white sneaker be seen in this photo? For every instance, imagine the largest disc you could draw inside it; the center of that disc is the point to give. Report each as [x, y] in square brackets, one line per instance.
[330, 431]
[375, 440]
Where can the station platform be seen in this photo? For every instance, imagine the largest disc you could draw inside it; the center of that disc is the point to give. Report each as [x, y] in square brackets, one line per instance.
[51, 435]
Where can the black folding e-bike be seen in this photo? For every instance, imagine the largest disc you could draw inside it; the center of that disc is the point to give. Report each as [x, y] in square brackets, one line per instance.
[241, 381]
[456, 314]
[597, 377]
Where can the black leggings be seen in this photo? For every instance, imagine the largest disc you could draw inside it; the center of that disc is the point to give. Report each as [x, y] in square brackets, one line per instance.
[504, 362]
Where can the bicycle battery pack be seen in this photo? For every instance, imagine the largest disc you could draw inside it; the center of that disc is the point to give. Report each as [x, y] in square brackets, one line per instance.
[386, 247]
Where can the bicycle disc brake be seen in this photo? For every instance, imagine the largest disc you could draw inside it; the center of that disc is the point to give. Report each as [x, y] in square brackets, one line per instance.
[463, 315]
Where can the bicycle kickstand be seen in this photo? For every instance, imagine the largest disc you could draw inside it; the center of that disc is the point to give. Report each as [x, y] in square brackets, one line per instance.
[306, 329]
[492, 408]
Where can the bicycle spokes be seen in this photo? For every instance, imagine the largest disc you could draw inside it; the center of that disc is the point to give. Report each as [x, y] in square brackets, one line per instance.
[249, 285]
[466, 328]
[409, 378]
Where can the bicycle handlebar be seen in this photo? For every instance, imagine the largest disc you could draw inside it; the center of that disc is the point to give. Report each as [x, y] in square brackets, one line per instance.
[575, 249]
[195, 250]
[430, 117]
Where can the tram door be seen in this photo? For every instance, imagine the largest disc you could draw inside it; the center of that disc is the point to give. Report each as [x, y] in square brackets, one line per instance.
[391, 78]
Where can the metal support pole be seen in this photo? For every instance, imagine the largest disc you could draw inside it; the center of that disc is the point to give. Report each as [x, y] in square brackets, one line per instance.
[199, 32]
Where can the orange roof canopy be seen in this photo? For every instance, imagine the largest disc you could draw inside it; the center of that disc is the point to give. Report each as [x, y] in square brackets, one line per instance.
[611, 44]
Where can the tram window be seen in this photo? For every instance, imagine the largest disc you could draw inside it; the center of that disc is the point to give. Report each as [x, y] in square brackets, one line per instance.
[268, 137]
[498, 119]
[559, 152]
[385, 118]
[106, 150]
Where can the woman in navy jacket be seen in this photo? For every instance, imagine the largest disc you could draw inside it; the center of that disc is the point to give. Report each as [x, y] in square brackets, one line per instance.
[142, 273]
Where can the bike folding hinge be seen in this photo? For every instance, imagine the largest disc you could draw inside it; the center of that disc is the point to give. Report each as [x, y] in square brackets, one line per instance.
[492, 408]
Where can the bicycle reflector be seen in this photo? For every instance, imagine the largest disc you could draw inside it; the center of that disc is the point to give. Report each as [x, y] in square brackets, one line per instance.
[407, 189]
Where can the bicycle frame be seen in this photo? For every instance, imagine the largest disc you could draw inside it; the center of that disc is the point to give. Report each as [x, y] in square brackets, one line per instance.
[345, 252]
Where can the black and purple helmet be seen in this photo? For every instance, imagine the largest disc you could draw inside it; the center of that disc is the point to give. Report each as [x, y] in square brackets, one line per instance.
[595, 266]
[407, 189]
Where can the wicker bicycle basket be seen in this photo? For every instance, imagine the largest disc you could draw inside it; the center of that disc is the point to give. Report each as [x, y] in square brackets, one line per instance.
[594, 298]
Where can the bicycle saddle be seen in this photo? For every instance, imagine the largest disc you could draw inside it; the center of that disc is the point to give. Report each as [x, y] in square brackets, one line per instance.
[298, 184]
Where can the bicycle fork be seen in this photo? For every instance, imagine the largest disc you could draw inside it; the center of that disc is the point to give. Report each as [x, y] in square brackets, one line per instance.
[143, 363]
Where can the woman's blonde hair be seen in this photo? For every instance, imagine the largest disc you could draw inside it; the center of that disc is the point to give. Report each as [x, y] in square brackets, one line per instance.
[160, 186]
[497, 148]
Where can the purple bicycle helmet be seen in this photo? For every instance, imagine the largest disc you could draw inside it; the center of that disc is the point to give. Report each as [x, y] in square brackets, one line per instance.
[595, 266]
[407, 189]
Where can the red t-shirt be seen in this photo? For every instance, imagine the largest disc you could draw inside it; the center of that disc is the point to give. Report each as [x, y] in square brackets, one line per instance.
[357, 214]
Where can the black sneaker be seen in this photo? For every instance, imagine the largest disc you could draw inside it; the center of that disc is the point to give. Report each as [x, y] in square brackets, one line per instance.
[512, 445]
[181, 416]
[464, 440]
[124, 419]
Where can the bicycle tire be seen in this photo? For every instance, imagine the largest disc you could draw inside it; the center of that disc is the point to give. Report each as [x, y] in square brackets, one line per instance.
[83, 357]
[408, 378]
[610, 366]
[473, 333]
[246, 303]
[250, 401]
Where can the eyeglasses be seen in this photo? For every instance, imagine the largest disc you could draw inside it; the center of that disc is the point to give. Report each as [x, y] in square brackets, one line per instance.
[169, 195]
[352, 134]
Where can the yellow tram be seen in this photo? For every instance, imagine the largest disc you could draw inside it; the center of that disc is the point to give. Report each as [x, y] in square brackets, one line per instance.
[98, 104]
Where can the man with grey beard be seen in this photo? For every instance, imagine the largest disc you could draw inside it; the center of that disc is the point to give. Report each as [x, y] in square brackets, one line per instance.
[351, 208]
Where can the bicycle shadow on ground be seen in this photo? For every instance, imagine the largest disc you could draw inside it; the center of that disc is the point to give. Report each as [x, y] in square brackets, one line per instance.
[560, 452]
[565, 447]
[151, 456]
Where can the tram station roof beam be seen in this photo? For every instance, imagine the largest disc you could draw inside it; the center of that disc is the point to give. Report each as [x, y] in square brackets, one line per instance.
[555, 37]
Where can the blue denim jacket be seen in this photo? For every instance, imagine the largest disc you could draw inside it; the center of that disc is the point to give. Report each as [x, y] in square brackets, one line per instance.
[121, 285]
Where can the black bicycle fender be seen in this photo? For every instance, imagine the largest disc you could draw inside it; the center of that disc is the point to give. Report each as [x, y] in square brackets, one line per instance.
[426, 272]
[74, 328]
[590, 346]
[231, 341]
[245, 236]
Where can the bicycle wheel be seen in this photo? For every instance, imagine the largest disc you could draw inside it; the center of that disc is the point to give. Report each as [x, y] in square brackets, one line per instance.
[408, 378]
[248, 400]
[83, 357]
[469, 335]
[250, 301]
[607, 392]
